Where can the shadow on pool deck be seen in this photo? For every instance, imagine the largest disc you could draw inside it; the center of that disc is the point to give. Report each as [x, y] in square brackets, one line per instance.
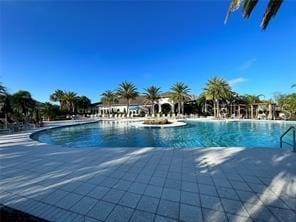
[213, 184]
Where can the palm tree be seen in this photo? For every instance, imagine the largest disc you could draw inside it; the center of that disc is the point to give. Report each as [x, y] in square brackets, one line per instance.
[109, 97]
[180, 94]
[250, 100]
[5, 103]
[248, 6]
[83, 102]
[152, 95]
[70, 98]
[216, 90]
[58, 96]
[128, 91]
[2, 90]
[23, 102]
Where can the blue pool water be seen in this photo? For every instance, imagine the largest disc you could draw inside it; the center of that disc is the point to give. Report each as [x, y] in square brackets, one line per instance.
[194, 134]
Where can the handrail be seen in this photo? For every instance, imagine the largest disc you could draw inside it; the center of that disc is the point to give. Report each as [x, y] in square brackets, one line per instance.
[294, 138]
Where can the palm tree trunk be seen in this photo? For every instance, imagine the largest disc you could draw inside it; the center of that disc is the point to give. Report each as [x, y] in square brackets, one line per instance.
[179, 107]
[6, 121]
[127, 107]
[152, 110]
[214, 103]
[218, 108]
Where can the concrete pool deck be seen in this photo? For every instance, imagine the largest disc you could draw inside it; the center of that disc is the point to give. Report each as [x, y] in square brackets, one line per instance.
[148, 184]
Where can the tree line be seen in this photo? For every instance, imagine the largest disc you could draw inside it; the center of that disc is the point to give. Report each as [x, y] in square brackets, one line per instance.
[20, 106]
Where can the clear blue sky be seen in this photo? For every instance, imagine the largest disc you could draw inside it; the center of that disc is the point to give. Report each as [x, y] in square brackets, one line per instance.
[88, 47]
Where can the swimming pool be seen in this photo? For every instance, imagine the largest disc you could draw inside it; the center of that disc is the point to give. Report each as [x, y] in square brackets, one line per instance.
[194, 134]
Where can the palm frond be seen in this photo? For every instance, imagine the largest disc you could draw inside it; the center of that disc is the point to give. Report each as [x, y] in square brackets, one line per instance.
[271, 10]
[248, 7]
[234, 5]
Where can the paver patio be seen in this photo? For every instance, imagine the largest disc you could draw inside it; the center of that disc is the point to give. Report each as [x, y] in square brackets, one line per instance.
[126, 184]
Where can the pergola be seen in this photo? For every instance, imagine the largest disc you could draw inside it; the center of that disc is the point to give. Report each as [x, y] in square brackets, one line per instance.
[268, 105]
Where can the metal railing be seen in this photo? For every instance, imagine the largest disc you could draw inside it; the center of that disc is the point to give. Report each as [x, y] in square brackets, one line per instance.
[294, 138]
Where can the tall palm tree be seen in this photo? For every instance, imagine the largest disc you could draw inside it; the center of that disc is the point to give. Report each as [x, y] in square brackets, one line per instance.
[58, 96]
[109, 97]
[216, 90]
[70, 98]
[152, 95]
[23, 102]
[180, 94]
[128, 91]
[248, 6]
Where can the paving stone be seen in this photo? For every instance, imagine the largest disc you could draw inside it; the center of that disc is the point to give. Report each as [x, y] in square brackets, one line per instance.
[148, 204]
[190, 213]
[168, 209]
[171, 194]
[101, 210]
[248, 197]
[237, 218]
[190, 187]
[240, 186]
[123, 185]
[157, 181]
[159, 218]
[211, 202]
[227, 193]
[258, 212]
[169, 183]
[84, 189]
[89, 219]
[70, 186]
[138, 188]
[113, 196]
[109, 182]
[213, 215]
[142, 216]
[190, 198]
[69, 200]
[55, 196]
[208, 190]
[120, 214]
[98, 192]
[84, 205]
[283, 215]
[153, 191]
[234, 207]
[130, 200]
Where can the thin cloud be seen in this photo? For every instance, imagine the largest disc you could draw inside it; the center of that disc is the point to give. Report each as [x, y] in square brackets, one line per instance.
[248, 64]
[236, 81]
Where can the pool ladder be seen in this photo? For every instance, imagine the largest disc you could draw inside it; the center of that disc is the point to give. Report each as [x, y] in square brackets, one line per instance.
[293, 129]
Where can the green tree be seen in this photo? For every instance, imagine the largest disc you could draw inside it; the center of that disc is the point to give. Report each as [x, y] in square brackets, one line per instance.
[287, 102]
[82, 102]
[58, 96]
[128, 91]
[152, 95]
[216, 90]
[2, 91]
[180, 94]
[248, 6]
[109, 97]
[50, 111]
[70, 99]
[23, 102]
